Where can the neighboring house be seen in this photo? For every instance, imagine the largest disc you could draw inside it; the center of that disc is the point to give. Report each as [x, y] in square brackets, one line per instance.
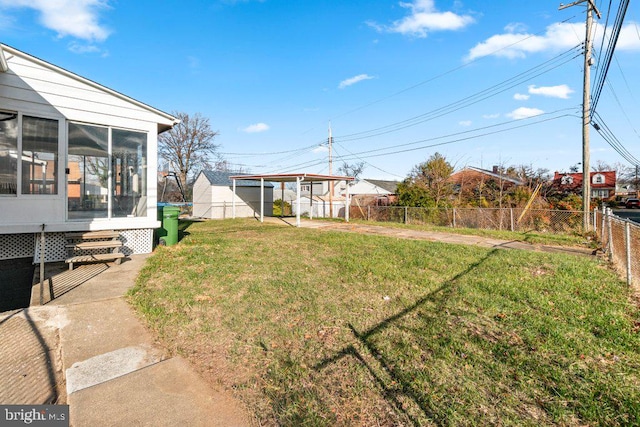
[322, 188]
[213, 196]
[315, 199]
[374, 192]
[321, 206]
[603, 184]
[74, 156]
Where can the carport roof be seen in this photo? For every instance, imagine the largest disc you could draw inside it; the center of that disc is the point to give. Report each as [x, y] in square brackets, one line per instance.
[292, 177]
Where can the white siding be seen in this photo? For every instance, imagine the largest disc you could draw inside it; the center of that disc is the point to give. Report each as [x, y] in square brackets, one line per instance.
[33, 87]
[216, 202]
[366, 188]
[202, 197]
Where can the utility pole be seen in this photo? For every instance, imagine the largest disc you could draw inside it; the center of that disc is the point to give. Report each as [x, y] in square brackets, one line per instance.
[330, 173]
[586, 113]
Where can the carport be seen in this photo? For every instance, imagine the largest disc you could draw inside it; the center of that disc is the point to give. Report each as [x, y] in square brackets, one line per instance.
[298, 178]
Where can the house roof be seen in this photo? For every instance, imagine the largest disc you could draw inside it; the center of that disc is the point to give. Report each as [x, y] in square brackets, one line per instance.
[390, 186]
[292, 177]
[6, 51]
[225, 179]
[575, 179]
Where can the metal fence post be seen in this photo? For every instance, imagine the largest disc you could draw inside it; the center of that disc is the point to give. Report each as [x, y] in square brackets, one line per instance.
[369, 213]
[406, 215]
[453, 219]
[595, 220]
[511, 218]
[610, 242]
[627, 243]
[604, 209]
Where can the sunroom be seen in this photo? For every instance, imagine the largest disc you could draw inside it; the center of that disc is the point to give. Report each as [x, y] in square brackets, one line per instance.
[74, 156]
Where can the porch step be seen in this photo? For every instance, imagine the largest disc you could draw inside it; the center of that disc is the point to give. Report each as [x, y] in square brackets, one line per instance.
[95, 245]
[93, 240]
[87, 235]
[97, 257]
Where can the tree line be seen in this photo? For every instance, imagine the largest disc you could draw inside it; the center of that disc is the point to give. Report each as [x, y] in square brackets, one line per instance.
[190, 146]
[433, 184]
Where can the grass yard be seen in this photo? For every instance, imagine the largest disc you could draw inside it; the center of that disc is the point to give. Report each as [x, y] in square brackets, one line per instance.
[318, 328]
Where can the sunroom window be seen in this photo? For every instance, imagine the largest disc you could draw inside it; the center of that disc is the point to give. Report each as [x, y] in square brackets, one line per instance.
[106, 172]
[8, 153]
[129, 173]
[39, 156]
[88, 176]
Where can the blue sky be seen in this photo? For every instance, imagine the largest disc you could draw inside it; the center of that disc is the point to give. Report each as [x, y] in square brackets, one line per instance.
[481, 82]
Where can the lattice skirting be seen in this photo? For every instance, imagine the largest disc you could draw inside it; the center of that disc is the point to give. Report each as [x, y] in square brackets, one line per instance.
[28, 245]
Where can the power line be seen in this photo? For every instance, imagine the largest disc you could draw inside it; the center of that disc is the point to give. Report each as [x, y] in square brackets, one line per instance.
[606, 133]
[436, 77]
[366, 154]
[482, 95]
[613, 40]
[604, 36]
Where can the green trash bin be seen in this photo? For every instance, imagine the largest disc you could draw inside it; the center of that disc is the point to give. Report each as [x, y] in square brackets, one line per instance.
[168, 234]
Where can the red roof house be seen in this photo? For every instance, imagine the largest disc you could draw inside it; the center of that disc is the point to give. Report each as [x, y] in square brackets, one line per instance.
[603, 184]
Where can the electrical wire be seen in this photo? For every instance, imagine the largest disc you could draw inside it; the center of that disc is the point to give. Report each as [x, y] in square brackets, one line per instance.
[604, 36]
[431, 79]
[613, 40]
[601, 127]
[454, 140]
[494, 90]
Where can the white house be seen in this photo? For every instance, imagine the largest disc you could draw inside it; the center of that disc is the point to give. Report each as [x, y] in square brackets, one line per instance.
[213, 196]
[373, 187]
[74, 156]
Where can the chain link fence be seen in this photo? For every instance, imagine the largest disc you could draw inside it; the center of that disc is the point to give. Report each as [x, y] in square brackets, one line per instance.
[621, 243]
[511, 219]
[620, 238]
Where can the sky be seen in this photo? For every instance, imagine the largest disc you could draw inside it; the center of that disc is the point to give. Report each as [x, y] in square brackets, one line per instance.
[482, 83]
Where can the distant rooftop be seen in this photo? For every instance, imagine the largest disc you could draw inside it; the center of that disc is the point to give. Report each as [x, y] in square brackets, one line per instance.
[224, 179]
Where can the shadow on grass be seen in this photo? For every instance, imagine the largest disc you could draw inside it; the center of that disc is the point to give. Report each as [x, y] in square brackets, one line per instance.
[183, 225]
[396, 387]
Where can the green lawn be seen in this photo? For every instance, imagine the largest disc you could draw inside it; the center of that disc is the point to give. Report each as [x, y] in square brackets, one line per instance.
[312, 327]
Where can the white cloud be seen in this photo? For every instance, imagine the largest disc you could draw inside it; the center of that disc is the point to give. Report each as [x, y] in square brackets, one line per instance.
[353, 80]
[524, 112]
[515, 27]
[516, 43]
[520, 97]
[76, 47]
[321, 149]
[465, 123]
[256, 128]
[560, 91]
[491, 116]
[423, 19]
[76, 18]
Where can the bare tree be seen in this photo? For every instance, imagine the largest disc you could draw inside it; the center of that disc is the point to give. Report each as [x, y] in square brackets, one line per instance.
[189, 145]
[354, 170]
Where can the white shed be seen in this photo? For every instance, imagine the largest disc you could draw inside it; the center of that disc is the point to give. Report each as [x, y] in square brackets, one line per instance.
[74, 156]
[213, 196]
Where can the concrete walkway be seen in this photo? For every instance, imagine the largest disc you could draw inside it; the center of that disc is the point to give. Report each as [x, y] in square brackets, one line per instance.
[86, 347]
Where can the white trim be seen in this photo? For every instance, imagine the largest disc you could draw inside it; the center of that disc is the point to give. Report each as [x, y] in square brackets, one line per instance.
[173, 121]
[4, 67]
